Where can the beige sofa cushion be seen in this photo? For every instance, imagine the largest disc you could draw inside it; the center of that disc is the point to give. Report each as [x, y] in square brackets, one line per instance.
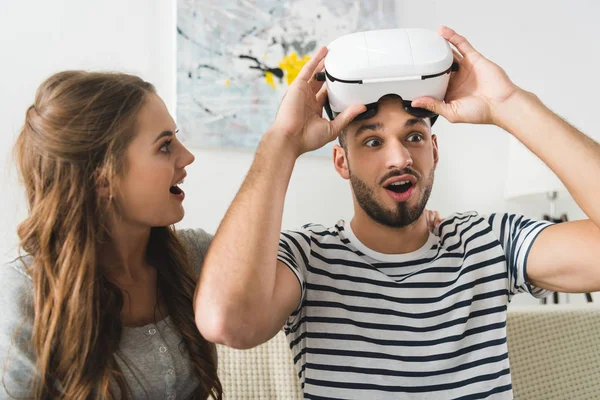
[264, 372]
[554, 353]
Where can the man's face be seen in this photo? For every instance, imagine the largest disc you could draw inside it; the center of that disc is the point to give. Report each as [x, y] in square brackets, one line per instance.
[390, 161]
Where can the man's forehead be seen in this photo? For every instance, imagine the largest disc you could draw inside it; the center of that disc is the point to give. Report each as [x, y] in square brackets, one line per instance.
[389, 116]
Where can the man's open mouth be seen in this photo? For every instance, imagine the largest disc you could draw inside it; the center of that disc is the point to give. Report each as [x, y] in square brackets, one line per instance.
[399, 187]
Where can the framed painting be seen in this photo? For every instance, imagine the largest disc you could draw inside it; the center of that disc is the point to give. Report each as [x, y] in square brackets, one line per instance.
[236, 58]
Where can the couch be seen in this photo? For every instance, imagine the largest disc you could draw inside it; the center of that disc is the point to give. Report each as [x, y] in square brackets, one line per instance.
[554, 353]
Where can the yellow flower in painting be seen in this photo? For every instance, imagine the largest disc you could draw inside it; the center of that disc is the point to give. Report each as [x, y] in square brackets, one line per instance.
[269, 78]
[292, 65]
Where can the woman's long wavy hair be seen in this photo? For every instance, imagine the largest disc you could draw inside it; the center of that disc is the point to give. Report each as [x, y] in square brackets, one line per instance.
[74, 138]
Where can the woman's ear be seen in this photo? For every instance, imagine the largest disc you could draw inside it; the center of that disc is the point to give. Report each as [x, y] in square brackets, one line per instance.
[340, 161]
[102, 185]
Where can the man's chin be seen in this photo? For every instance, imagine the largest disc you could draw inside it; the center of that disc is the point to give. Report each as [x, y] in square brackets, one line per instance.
[384, 208]
[393, 205]
[403, 222]
[403, 214]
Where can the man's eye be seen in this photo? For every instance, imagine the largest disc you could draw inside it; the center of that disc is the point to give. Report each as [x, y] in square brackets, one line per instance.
[415, 137]
[165, 147]
[373, 143]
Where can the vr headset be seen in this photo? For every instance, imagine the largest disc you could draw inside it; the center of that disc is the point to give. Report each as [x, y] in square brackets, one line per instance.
[362, 67]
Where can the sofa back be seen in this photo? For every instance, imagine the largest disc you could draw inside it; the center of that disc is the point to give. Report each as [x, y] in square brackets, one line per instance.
[554, 353]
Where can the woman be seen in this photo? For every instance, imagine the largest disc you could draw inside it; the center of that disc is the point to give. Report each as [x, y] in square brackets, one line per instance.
[100, 303]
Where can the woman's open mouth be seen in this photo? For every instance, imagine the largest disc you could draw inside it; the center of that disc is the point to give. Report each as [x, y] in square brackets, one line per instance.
[176, 191]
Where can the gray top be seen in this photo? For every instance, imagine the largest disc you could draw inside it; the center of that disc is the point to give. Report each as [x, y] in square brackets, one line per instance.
[154, 364]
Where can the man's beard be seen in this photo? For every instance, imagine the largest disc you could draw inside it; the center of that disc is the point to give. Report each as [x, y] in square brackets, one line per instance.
[403, 215]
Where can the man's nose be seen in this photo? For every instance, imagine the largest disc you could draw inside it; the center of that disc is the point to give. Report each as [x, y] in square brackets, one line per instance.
[397, 156]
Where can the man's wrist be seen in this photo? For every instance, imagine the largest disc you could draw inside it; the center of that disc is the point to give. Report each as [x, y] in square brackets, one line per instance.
[509, 112]
[274, 161]
[280, 144]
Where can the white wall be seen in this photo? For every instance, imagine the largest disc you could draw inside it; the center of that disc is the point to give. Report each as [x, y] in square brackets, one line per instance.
[556, 56]
[39, 38]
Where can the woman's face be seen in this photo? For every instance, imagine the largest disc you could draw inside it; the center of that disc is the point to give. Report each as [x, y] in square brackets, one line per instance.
[149, 193]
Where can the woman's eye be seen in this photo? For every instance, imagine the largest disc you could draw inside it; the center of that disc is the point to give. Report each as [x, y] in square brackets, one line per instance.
[415, 137]
[373, 143]
[165, 147]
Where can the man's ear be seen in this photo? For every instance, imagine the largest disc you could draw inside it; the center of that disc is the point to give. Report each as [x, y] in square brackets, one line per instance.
[340, 161]
[436, 153]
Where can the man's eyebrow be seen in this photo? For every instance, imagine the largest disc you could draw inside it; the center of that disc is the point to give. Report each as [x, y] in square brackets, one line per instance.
[163, 134]
[368, 127]
[415, 121]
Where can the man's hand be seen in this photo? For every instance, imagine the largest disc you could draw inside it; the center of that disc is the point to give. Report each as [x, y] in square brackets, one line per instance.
[564, 257]
[474, 90]
[299, 119]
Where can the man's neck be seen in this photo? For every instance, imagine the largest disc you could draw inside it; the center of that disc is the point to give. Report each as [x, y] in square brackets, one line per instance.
[388, 240]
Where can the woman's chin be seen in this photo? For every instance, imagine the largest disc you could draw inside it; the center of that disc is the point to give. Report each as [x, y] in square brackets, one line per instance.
[170, 220]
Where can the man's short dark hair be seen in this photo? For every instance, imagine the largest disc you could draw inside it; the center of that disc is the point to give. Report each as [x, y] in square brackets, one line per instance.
[343, 140]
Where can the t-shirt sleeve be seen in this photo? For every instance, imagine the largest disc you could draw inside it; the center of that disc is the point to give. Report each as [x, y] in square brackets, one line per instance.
[196, 242]
[516, 235]
[294, 251]
[17, 359]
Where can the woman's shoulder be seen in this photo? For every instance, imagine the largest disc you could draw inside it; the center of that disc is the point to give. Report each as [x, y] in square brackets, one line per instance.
[16, 324]
[16, 296]
[14, 273]
[197, 238]
[16, 285]
[196, 242]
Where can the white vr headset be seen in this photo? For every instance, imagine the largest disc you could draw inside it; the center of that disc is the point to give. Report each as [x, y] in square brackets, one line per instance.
[362, 67]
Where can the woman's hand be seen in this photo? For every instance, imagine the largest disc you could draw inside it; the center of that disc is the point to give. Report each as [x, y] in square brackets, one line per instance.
[433, 219]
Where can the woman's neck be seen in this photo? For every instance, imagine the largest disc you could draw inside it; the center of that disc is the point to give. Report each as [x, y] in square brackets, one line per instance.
[124, 254]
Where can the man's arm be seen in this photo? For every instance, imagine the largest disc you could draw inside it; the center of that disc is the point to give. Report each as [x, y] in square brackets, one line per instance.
[244, 295]
[564, 257]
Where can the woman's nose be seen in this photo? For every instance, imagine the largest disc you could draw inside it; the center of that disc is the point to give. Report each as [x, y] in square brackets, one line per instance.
[186, 158]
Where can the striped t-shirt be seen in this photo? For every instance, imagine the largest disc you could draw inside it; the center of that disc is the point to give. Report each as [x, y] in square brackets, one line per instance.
[430, 324]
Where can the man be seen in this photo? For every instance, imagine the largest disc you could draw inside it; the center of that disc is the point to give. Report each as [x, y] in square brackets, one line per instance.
[377, 307]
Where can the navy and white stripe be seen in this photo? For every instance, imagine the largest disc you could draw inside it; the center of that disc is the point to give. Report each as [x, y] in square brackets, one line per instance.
[429, 324]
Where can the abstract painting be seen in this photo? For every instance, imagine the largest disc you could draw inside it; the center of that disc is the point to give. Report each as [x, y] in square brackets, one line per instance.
[236, 58]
